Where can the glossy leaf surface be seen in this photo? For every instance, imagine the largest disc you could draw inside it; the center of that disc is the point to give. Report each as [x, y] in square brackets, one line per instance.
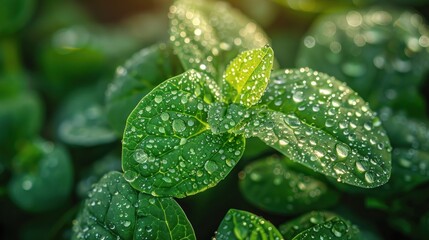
[168, 148]
[316, 120]
[273, 186]
[319, 225]
[238, 224]
[114, 210]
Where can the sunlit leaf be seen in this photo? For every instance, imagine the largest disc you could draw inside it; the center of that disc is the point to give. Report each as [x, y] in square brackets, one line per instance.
[137, 77]
[316, 120]
[247, 76]
[238, 224]
[168, 148]
[114, 210]
[273, 186]
[319, 225]
[207, 35]
[42, 177]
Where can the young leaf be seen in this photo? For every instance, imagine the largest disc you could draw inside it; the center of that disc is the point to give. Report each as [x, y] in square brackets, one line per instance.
[136, 78]
[271, 185]
[247, 76]
[115, 210]
[207, 35]
[316, 120]
[42, 177]
[319, 225]
[168, 148]
[239, 225]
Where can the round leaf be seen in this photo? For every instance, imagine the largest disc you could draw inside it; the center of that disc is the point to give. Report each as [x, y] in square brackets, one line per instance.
[114, 210]
[42, 178]
[168, 148]
[316, 120]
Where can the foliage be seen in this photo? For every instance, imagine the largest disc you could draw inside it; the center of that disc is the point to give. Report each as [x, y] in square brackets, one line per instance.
[315, 129]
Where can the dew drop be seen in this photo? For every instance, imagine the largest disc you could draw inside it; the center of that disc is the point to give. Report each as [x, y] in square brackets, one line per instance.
[339, 228]
[298, 96]
[283, 142]
[167, 180]
[27, 185]
[158, 98]
[210, 167]
[130, 176]
[360, 167]
[342, 150]
[179, 125]
[140, 156]
[165, 116]
[230, 162]
[369, 177]
[152, 200]
[127, 223]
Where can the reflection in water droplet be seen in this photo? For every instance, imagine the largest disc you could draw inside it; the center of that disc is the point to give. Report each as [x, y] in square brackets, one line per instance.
[179, 125]
[369, 178]
[210, 167]
[298, 96]
[339, 228]
[342, 150]
[127, 223]
[130, 176]
[165, 116]
[140, 156]
[158, 98]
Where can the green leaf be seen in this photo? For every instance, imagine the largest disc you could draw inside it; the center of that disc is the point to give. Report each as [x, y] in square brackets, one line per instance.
[318, 225]
[414, 136]
[168, 147]
[225, 117]
[379, 56]
[20, 119]
[207, 35]
[14, 14]
[247, 76]
[114, 210]
[316, 120]
[136, 78]
[42, 177]
[83, 121]
[273, 186]
[239, 225]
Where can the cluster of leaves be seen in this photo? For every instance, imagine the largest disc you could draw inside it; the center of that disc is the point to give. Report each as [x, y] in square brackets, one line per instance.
[188, 110]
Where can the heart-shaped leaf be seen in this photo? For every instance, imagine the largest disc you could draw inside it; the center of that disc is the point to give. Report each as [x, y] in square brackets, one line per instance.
[319, 225]
[114, 210]
[168, 148]
[239, 225]
[273, 186]
[316, 120]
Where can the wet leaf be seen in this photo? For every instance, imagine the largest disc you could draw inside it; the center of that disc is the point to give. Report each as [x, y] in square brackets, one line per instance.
[273, 186]
[42, 177]
[136, 78]
[320, 225]
[316, 120]
[380, 52]
[114, 210]
[238, 224]
[247, 76]
[168, 148]
[208, 35]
